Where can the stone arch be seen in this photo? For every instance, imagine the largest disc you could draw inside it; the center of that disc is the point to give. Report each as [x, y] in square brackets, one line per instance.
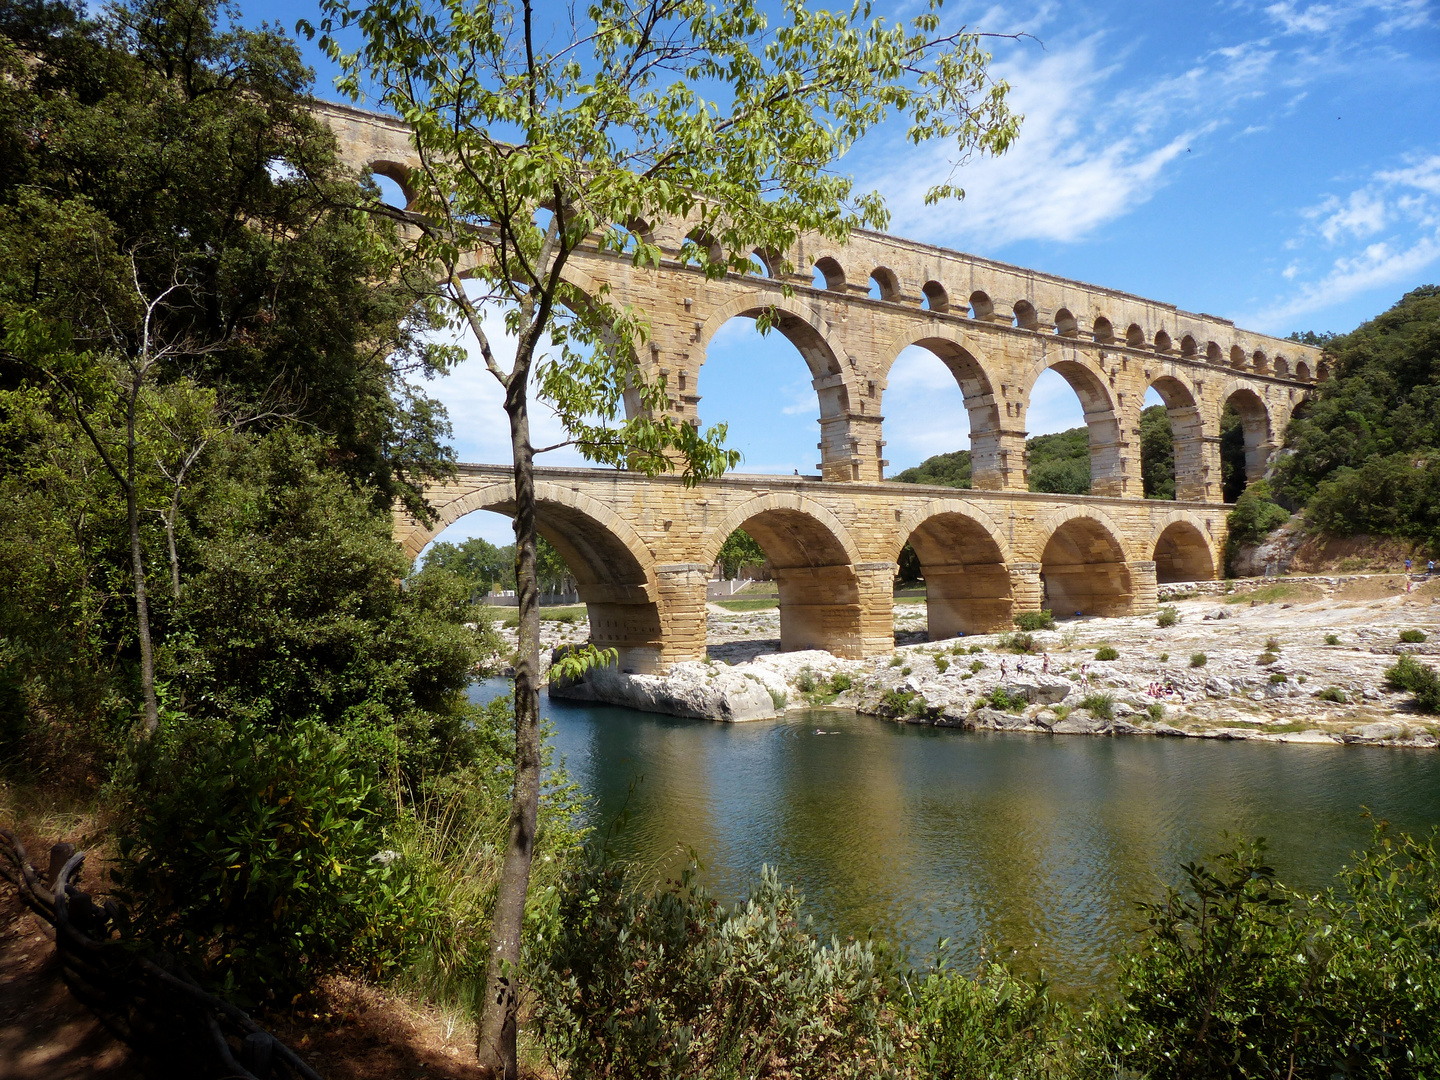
[981, 306]
[1026, 316]
[1162, 342]
[1107, 476]
[962, 555]
[888, 282]
[613, 568]
[1135, 336]
[1188, 348]
[1083, 569]
[1103, 331]
[1187, 433]
[1302, 371]
[833, 273]
[1282, 368]
[936, 298]
[803, 327]
[399, 172]
[957, 351]
[1065, 324]
[1322, 371]
[1237, 356]
[1213, 353]
[814, 560]
[1260, 361]
[1257, 428]
[1182, 552]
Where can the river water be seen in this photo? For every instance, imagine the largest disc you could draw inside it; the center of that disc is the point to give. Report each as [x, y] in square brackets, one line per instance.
[1034, 845]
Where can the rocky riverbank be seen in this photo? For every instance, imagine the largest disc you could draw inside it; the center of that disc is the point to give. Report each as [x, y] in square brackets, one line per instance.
[1255, 664]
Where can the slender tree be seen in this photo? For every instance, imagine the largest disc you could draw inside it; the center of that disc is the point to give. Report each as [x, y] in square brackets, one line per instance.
[536, 139]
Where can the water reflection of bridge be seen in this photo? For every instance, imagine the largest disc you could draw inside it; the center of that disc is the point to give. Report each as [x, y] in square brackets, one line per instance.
[641, 549]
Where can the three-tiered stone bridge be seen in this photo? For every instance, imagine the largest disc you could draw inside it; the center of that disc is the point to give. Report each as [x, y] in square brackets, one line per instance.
[642, 548]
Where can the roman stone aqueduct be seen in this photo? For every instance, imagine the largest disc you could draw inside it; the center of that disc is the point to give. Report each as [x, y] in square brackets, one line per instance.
[642, 548]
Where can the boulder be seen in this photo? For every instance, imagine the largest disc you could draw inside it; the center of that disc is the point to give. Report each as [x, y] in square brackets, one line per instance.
[1040, 689]
[704, 694]
[1081, 722]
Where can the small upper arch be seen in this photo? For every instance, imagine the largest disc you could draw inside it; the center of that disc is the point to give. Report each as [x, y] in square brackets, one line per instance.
[1188, 347]
[981, 306]
[1065, 324]
[1162, 342]
[1282, 367]
[1302, 371]
[1135, 336]
[1025, 315]
[1103, 331]
[831, 272]
[1237, 356]
[887, 282]
[1213, 353]
[1260, 361]
[936, 298]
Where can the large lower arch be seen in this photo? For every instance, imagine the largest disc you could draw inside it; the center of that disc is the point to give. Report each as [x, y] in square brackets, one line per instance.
[1258, 434]
[1083, 570]
[1187, 432]
[614, 571]
[963, 559]
[815, 565]
[989, 456]
[1183, 554]
[1107, 466]
[840, 458]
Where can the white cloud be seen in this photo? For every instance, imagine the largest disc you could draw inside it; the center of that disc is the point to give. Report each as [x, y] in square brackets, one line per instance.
[1403, 204]
[1323, 20]
[1094, 143]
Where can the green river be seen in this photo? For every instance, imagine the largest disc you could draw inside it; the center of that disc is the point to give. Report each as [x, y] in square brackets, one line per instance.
[1036, 846]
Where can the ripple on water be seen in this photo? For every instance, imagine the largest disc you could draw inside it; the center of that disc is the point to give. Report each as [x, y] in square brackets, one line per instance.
[1035, 843]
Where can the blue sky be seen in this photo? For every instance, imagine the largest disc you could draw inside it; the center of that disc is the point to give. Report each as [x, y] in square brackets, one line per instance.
[1274, 163]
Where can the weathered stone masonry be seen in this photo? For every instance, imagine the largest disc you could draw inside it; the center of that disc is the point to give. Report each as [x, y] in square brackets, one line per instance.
[642, 548]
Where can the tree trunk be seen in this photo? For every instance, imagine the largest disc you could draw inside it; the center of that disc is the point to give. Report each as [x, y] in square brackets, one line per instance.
[496, 1036]
[137, 561]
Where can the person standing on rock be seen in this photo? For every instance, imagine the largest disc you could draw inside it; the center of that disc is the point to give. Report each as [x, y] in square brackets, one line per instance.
[1045, 664]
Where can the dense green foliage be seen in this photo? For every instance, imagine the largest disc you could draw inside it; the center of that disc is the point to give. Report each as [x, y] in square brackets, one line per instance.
[1365, 456]
[1234, 975]
[312, 689]
[1422, 680]
[740, 549]
[480, 565]
[1060, 463]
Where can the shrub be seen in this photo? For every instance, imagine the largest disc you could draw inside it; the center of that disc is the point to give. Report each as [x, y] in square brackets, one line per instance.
[976, 667]
[648, 983]
[976, 649]
[896, 702]
[1412, 637]
[896, 660]
[1272, 645]
[1155, 711]
[1277, 677]
[1420, 679]
[1164, 657]
[805, 680]
[1019, 643]
[1167, 616]
[840, 682]
[1265, 659]
[942, 665]
[1002, 699]
[779, 699]
[1106, 652]
[1035, 620]
[1332, 639]
[1333, 693]
[1197, 659]
[905, 670]
[1101, 705]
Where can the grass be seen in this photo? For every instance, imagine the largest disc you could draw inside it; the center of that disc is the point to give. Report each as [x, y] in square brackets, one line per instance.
[1272, 594]
[757, 604]
[976, 666]
[896, 660]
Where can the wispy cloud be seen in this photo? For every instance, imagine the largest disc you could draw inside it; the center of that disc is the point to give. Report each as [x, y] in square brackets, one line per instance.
[1387, 16]
[1403, 203]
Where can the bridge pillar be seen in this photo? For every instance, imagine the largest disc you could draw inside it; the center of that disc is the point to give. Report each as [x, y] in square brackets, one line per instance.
[997, 459]
[967, 598]
[877, 607]
[681, 603]
[1027, 591]
[819, 609]
[1144, 596]
[1210, 472]
[1192, 463]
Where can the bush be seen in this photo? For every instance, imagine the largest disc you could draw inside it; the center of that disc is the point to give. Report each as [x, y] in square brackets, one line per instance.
[1164, 657]
[1101, 705]
[1035, 620]
[896, 660]
[1106, 652]
[894, 703]
[1156, 711]
[942, 665]
[1167, 616]
[840, 682]
[656, 983]
[1277, 677]
[1420, 679]
[805, 680]
[1019, 643]
[1197, 659]
[905, 670]
[1412, 637]
[1332, 639]
[976, 667]
[1265, 659]
[1272, 645]
[1002, 699]
[1333, 693]
[976, 649]
[1255, 516]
